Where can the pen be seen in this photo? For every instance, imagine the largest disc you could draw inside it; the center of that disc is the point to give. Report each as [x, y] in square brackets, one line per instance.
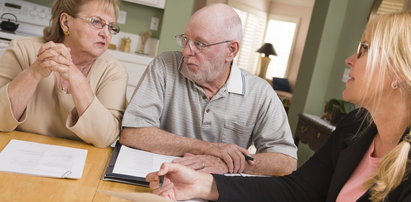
[249, 158]
[161, 180]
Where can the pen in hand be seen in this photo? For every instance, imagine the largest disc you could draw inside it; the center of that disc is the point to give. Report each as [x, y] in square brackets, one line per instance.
[161, 180]
[249, 158]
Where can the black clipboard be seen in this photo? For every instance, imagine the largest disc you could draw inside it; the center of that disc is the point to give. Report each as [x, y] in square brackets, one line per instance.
[115, 177]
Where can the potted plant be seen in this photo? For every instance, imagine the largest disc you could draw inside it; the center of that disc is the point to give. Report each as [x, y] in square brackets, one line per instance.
[336, 109]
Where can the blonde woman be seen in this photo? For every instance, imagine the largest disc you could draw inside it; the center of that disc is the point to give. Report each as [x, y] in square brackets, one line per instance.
[366, 158]
[65, 84]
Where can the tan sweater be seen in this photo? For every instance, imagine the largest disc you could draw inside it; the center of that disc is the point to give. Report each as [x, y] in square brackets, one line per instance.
[51, 112]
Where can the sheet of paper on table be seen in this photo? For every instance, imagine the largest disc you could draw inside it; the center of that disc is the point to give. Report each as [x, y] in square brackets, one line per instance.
[139, 163]
[42, 159]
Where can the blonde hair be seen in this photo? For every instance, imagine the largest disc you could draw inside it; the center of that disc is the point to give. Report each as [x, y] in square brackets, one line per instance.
[391, 171]
[72, 7]
[390, 53]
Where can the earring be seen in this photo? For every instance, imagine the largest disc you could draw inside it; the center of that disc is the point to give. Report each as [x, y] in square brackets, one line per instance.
[66, 32]
[407, 138]
[394, 85]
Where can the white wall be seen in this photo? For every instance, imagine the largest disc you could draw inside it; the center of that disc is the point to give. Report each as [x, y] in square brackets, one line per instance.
[304, 14]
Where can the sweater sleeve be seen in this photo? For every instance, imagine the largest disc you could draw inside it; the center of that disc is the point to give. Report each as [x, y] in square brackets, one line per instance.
[262, 189]
[7, 120]
[16, 57]
[311, 182]
[100, 123]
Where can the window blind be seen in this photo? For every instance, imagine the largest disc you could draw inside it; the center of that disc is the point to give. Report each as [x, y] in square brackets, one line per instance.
[391, 6]
[253, 22]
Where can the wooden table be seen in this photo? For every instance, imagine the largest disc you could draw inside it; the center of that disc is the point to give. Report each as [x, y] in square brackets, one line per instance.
[312, 130]
[20, 187]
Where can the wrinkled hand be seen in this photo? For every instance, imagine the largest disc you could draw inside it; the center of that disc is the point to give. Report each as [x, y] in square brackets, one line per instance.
[203, 163]
[231, 154]
[50, 57]
[60, 55]
[180, 182]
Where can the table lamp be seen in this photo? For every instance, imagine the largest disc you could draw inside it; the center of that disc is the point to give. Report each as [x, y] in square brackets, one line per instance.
[267, 49]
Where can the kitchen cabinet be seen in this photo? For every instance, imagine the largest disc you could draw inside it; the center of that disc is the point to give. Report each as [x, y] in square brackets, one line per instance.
[135, 66]
[154, 3]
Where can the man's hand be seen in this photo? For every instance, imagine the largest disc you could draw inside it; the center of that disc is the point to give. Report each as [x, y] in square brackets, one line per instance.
[203, 163]
[231, 154]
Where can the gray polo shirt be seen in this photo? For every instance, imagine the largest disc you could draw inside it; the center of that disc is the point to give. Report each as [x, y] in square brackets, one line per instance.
[245, 110]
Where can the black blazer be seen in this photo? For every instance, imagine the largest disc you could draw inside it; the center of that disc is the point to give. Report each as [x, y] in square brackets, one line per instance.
[322, 177]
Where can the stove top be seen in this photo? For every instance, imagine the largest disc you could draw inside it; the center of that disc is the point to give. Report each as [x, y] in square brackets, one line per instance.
[31, 17]
[5, 35]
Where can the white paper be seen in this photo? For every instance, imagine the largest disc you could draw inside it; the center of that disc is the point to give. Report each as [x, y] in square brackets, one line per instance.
[42, 159]
[138, 163]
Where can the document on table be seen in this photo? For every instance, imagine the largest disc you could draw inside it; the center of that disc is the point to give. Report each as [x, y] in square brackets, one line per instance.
[131, 166]
[139, 163]
[42, 159]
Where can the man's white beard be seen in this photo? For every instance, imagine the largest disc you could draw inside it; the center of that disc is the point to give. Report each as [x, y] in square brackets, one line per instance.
[198, 77]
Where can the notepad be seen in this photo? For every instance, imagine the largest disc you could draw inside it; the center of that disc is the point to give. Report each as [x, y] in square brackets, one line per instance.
[128, 165]
[42, 159]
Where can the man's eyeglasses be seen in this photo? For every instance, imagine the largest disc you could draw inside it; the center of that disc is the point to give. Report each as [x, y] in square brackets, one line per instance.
[183, 40]
[362, 49]
[100, 24]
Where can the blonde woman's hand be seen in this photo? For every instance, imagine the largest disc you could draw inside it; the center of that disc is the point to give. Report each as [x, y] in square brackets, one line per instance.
[181, 183]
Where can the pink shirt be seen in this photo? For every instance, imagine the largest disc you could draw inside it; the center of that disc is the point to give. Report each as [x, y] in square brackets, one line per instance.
[353, 188]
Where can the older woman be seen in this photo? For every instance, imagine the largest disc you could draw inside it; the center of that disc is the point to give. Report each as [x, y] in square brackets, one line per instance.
[65, 84]
[366, 158]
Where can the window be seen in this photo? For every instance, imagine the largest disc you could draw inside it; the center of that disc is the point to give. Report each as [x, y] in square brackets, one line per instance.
[389, 6]
[253, 22]
[281, 33]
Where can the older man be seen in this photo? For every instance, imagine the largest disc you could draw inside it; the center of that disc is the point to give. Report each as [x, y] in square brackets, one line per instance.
[196, 104]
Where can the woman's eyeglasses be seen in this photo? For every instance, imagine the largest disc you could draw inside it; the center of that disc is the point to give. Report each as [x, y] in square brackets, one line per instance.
[100, 24]
[362, 49]
[183, 40]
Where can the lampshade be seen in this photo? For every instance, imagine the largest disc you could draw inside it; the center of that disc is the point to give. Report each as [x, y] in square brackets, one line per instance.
[267, 49]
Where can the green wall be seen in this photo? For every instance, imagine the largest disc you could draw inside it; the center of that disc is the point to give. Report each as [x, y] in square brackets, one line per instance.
[138, 16]
[350, 32]
[335, 29]
[176, 15]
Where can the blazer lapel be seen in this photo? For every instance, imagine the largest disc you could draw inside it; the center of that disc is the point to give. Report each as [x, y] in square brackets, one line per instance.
[349, 159]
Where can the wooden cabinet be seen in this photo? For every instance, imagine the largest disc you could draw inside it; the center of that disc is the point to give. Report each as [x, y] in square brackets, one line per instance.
[312, 130]
[135, 66]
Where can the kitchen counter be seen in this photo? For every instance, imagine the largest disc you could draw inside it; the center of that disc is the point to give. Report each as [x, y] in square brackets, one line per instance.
[131, 57]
